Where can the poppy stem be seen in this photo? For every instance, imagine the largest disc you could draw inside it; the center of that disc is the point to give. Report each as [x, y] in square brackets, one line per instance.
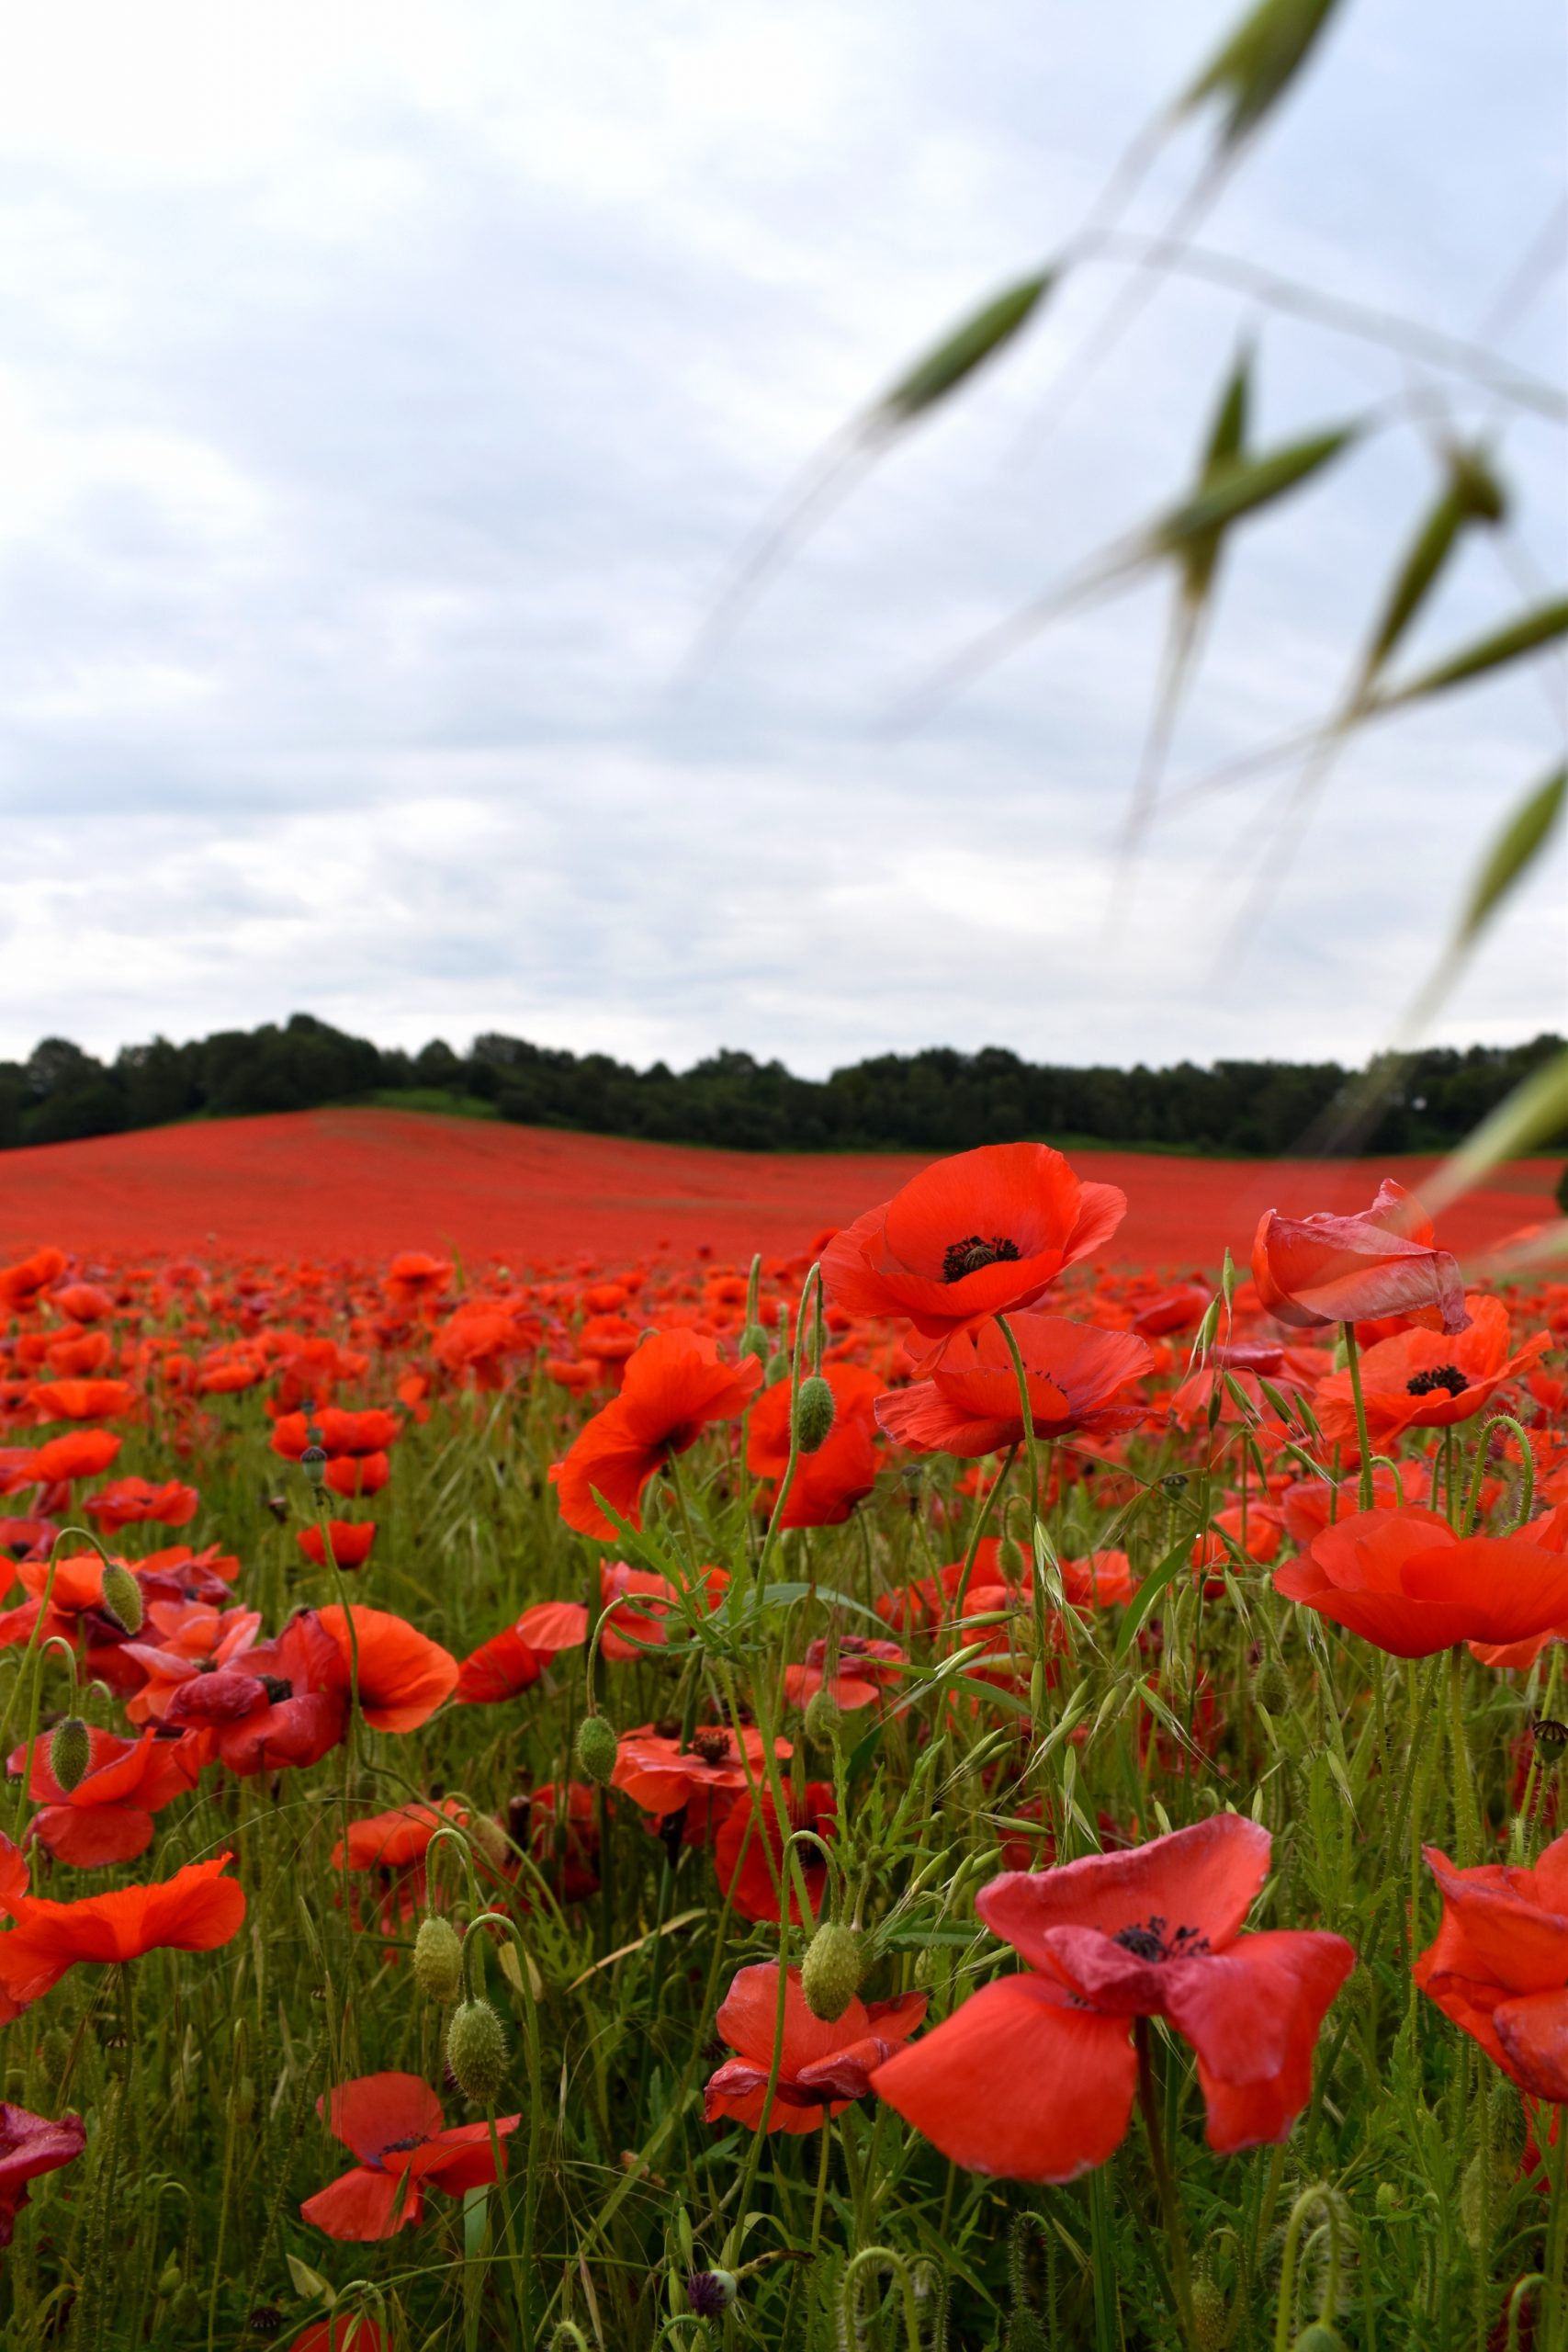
[1353, 1364]
[1170, 2203]
[978, 1532]
[1466, 1827]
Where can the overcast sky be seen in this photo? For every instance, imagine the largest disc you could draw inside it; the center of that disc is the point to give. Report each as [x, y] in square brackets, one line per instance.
[385, 391]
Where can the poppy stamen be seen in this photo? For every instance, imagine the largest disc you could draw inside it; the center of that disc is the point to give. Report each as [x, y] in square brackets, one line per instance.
[961, 1258]
[1148, 1941]
[1445, 1375]
[711, 1743]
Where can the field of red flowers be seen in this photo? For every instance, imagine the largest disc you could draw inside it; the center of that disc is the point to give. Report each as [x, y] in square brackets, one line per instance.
[368, 1183]
[635, 1749]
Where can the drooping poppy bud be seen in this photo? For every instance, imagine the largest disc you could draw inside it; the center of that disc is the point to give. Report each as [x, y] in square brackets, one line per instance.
[1211, 2318]
[824, 1717]
[70, 1752]
[122, 1596]
[476, 2052]
[711, 2292]
[597, 1748]
[831, 1971]
[814, 1410]
[438, 1960]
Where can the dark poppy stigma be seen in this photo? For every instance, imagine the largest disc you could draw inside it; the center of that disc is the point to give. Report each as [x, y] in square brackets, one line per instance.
[1444, 1375]
[961, 1258]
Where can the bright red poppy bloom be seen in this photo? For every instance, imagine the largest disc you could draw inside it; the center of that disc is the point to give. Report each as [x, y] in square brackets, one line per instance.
[404, 1676]
[1327, 1269]
[21, 1285]
[1077, 1376]
[353, 1475]
[1403, 1581]
[371, 1432]
[513, 1659]
[984, 1233]
[824, 2068]
[280, 1703]
[1498, 1967]
[390, 1842]
[393, 2123]
[136, 1502]
[81, 1454]
[675, 1386]
[701, 1779]
[1033, 2077]
[108, 1817]
[343, 2332]
[195, 1910]
[1426, 1379]
[864, 1666]
[830, 1483]
[351, 1541]
[31, 2145]
[81, 1400]
[640, 1606]
[748, 1853]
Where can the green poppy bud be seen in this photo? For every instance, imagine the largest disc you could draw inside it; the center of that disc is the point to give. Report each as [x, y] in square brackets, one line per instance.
[1270, 1687]
[831, 1971]
[70, 1752]
[597, 1748]
[438, 1960]
[814, 1410]
[824, 1718]
[1210, 2317]
[477, 2052]
[122, 1596]
[1318, 2336]
[754, 1342]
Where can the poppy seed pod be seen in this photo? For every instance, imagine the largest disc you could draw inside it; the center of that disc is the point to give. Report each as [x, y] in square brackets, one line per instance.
[476, 2052]
[814, 1410]
[70, 1752]
[314, 1461]
[831, 1970]
[597, 1748]
[122, 1596]
[711, 2292]
[438, 1960]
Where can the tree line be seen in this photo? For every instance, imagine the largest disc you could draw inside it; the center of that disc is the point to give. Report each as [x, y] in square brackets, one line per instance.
[937, 1100]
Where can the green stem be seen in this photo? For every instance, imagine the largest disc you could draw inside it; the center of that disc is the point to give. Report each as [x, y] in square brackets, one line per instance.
[1169, 2204]
[1353, 1362]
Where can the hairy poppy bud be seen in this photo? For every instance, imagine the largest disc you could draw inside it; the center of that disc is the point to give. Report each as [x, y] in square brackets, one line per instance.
[597, 1748]
[1388, 2199]
[831, 1970]
[169, 2278]
[314, 1461]
[488, 1837]
[1209, 2313]
[711, 2292]
[438, 1960]
[122, 1596]
[754, 1342]
[70, 1752]
[476, 2052]
[187, 2307]
[824, 1718]
[1318, 2336]
[1270, 1687]
[1507, 2118]
[814, 1410]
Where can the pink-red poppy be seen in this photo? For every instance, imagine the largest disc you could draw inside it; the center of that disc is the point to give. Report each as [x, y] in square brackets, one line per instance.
[513, 1659]
[827, 1484]
[1404, 1581]
[31, 2145]
[852, 1670]
[137, 1503]
[108, 1815]
[394, 2125]
[1498, 1967]
[351, 1539]
[823, 2069]
[1077, 1378]
[1326, 1269]
[1034, 2075]
[749, 1852]
[404, 1676]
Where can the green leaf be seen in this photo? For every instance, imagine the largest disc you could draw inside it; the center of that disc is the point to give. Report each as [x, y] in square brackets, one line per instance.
[1256, 64]
[1533, 629]
[1148, 1592]
[1514, 851]
[956, 358]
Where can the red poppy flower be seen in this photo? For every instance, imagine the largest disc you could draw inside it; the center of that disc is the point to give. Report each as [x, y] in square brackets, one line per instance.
[1424, 1379]
[81, 1454]
[81, 1400]
[343, 2332]
[136, 1502]
[31, 2145]
[282, 1704]
[559, 1827]
[393, 2123]
[748, 1853]
[701, 1779]
[108, 1817]
[823, 2069]
[513, 1659]
[864, 1666]
[1076, 1375]
[403, 1675]
[1499, 1964]
[351, 1542]
[984, 1233]
[392, 1841]
[641, 1604]
[195, 1910]
[830, 1483]
[353, 1475]
[341, 1432]
[1033, 2077]
[675, 1386]
[1403, 1581]
[1326, 1269]
[21, 1285]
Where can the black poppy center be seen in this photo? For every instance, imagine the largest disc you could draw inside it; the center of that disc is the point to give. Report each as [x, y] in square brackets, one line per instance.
[276, 1689]
[961, 1258]
[403, 2147]
[1443, 1376]
[1149, 1941]
[711, 1745]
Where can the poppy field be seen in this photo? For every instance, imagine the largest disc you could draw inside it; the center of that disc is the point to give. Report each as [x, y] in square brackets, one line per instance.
[931, 1777]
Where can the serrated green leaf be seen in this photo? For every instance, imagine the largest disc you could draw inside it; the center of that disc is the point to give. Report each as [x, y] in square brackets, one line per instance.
[956, 358]
[1514, 851]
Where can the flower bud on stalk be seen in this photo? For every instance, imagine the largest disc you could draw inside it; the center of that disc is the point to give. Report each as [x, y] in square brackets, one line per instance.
[597, 1748]
[711, 2292]
[814, 1410]
[70, 1752]
[314, 1461]
[831, 1971]
[122, 1596]
[438, 1960]
[824, 1718]
[476, 2052]
[1210, 2317]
